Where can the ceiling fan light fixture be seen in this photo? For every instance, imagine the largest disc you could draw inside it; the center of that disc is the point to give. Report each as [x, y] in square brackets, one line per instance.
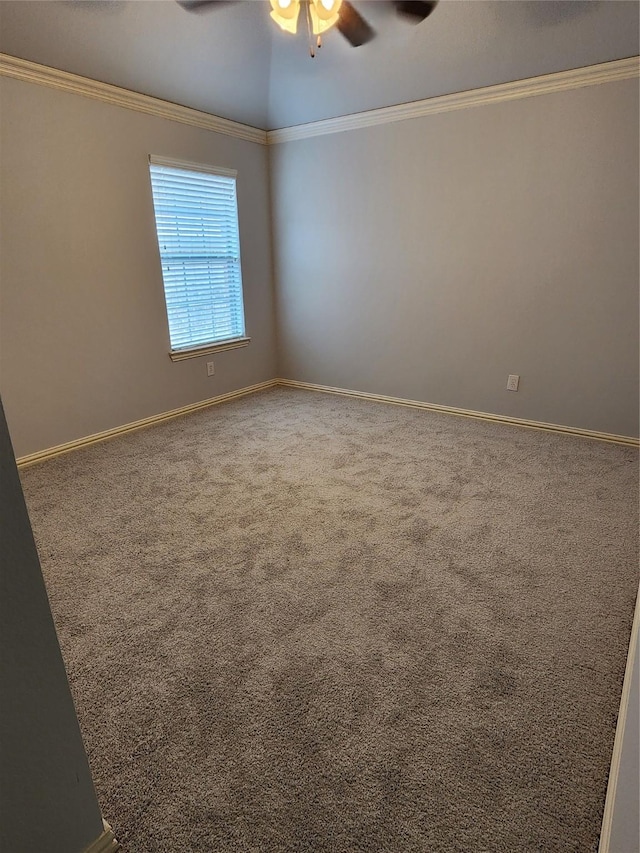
[285, 14]
[324, 14]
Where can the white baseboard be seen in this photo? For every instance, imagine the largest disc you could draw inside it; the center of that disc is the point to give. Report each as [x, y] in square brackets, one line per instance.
[50, 452]
[616, 758]
[465, 413]
[105, 843]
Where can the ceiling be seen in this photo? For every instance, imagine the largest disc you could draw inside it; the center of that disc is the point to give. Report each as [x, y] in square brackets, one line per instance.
[234, 62]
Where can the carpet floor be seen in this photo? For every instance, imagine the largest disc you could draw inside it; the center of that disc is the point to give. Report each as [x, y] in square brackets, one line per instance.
[302, 622]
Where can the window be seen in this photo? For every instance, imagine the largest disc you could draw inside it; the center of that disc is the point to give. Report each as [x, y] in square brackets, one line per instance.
[197, 224]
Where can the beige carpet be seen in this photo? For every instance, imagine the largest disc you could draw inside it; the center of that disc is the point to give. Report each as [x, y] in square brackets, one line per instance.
[300, 622]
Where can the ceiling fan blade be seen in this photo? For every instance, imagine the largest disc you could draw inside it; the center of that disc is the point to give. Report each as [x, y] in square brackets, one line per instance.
[201, 5]
[416, 10]
[353, 26]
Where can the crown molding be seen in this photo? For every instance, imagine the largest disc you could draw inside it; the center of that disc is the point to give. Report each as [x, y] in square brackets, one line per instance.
[561, 81]
[591, 75]
[32, 72]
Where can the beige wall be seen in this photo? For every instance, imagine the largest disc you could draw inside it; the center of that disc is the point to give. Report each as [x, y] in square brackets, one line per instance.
[83, 334]
[430, 258]
[425, 259]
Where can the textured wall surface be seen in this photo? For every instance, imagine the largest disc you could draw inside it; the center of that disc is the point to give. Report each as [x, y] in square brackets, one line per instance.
[430, 258]
[84, 333]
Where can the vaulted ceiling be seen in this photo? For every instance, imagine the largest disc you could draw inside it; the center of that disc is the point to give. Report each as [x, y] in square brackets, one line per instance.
[234, 62]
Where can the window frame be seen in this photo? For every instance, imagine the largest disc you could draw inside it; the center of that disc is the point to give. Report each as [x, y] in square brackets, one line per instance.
[214, 346]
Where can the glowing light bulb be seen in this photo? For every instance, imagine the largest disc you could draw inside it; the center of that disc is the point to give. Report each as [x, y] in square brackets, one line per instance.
[285, 14]
[324, 14]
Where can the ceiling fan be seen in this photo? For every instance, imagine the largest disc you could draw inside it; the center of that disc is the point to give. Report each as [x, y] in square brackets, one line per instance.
[322, 15]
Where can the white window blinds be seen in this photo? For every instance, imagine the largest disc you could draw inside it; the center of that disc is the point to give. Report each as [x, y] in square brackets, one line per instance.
[197, 224]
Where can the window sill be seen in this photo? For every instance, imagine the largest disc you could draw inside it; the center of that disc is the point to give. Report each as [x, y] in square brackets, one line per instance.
[180, 355]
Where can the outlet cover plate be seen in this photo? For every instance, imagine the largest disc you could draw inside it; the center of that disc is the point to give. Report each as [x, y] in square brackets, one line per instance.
[512, 382]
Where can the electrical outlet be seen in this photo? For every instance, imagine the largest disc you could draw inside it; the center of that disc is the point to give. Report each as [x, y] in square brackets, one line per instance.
[210, 368]
[513, 382]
